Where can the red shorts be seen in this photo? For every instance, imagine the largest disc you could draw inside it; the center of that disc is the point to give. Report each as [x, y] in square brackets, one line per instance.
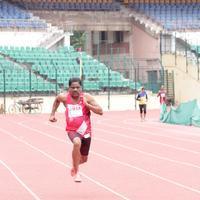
[85, 142]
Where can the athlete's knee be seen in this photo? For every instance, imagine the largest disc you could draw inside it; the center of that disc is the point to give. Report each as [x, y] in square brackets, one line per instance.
[77, 142]
[84, 159]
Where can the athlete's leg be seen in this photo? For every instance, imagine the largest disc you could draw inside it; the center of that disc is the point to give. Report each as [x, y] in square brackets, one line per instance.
[145, 110]
[140, 106]
[83, 159]
[76, 140]
[85, 147]
[84, 151]
[76, 156]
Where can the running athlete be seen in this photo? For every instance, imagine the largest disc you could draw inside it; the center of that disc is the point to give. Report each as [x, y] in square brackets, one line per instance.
[142, 98]
[78, 125]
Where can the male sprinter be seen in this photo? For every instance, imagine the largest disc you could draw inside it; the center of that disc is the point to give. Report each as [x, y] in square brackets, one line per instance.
[78, 125]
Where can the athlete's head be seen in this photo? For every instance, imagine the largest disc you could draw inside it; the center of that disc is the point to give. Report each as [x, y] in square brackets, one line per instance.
[75, 87]
[142, 88]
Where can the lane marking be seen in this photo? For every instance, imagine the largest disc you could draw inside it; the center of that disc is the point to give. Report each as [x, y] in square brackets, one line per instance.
[161, 129]
[19, 180]
[156, 124]
[116, 161]
[63, 164]
[137, 138]
[114, 143]
[148, 141]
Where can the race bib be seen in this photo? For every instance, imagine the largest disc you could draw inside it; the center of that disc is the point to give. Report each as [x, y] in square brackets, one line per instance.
[143, 100]
[162, 95]
[83, 127]
[74, 110]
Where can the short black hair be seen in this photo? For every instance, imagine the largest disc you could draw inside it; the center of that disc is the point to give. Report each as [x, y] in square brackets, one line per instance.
[75, 79]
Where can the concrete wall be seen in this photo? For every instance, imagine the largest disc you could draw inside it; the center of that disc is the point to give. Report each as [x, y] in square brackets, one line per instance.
[187, 85]
[144, 45]
[117, 102]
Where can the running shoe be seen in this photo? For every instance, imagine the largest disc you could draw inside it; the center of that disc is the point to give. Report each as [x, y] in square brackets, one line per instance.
[77, 178]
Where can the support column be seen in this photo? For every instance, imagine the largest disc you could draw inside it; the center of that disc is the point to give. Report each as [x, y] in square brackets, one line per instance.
[88, 44]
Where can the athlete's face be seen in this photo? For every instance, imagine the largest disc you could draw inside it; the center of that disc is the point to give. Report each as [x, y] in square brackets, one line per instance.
[75, 89]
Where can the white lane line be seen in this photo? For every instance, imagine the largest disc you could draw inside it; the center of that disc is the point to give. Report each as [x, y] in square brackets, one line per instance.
[63, 164]
[121, 163]
[149, 154]
[19, 180]
[166, 136]
[145, 132]
[127, 165]
[113, 143]
[152, 174]
[142, 131]
[157, 126]
[139, 139]
[148, 141]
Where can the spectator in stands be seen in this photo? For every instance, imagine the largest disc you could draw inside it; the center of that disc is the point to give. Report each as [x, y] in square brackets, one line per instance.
[142, 98]
[78, 125]
[162, 95]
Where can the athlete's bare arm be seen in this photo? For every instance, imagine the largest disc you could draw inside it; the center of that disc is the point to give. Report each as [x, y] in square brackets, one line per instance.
[92, 104]
[61, 98]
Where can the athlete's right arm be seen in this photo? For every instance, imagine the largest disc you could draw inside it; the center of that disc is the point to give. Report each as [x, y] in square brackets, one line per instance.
[56, 103]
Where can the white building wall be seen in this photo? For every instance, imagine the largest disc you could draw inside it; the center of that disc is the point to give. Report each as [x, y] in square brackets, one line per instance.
[67, 39]
[23, 39]
[96, 37]
[110, 37]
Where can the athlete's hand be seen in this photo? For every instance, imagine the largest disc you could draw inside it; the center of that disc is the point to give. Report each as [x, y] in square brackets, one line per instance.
[86, 102]
[52, 119]
[88, 105]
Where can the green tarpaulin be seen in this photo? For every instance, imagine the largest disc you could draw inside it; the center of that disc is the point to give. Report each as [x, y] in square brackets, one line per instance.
[186, 114]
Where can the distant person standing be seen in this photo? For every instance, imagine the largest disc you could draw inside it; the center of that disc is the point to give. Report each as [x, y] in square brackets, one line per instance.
[142, 98]
[162, 95]
[162, 98]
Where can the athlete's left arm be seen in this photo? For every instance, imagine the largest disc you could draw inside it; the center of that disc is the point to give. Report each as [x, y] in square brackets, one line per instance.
[92, 105]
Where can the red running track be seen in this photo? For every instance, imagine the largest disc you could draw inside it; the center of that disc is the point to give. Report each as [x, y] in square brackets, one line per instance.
[129, 159]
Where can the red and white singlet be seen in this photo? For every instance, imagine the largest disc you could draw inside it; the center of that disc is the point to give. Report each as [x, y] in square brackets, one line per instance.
[162, 95]
[77, 117]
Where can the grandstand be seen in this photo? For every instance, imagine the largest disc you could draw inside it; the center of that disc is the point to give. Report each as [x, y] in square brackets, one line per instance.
[14, 17]
[56, 67]
[128, 43]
